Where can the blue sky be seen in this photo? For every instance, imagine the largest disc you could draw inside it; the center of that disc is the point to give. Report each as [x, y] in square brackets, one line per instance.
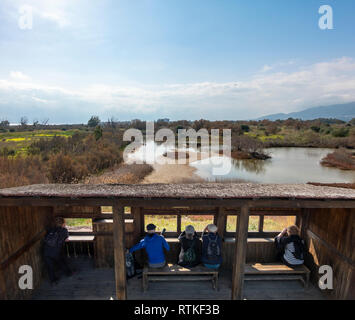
[148, 59]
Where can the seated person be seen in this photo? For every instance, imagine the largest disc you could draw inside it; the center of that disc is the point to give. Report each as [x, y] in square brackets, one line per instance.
[190, 253]
[211, 247]
[153, 245]
[53, 250]
[290, 246]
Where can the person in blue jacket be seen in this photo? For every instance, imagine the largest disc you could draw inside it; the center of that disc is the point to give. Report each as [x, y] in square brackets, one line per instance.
[153, 245]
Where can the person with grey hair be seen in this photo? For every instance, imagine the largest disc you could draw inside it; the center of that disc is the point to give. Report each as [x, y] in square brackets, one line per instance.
[211, 247]
[190, 244]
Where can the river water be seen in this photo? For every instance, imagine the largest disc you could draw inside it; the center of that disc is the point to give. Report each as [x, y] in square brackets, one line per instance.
[287, 165]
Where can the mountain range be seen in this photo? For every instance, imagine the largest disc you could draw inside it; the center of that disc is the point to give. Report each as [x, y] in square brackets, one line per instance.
[344, 112]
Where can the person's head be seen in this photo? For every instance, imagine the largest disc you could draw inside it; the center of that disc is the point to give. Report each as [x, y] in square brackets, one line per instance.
[189, 231]
[212, 228]
[59, 222]
[151, 229]
[293, 230]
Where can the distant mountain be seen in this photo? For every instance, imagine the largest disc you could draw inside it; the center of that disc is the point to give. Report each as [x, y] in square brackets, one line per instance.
[344, 112]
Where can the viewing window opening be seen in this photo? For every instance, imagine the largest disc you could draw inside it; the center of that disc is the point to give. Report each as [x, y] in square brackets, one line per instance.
[199, 222]
[169, 222]
[278, 223]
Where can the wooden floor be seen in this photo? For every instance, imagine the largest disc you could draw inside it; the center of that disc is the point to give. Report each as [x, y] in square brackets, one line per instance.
[98, 284]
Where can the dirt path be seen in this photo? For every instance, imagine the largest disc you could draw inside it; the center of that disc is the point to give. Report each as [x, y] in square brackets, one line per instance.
[172, 173]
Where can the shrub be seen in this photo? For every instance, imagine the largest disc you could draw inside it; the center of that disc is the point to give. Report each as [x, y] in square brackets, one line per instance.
[63, 169]
[340, 133]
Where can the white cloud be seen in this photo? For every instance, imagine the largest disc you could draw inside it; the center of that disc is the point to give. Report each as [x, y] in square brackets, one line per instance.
[266, 68]
[56, 15]
[313, 85]
[18, 75]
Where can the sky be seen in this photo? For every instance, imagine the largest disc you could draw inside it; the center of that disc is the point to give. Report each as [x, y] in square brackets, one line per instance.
[177, 59]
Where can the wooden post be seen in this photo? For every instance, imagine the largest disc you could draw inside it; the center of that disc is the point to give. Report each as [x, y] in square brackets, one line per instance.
[221, 220]
[240, 254]
[302, 222]
[137, 220]
[119, 251]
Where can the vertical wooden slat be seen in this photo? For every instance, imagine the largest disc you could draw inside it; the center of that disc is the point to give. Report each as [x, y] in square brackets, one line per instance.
[220, 221]
[119, 251]
[261, 223]
[178, 224]
[240, 253]
[303, 222]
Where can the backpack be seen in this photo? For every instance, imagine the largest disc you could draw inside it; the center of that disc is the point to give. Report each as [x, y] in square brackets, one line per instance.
[300, 249]
[52, 238]
[213, 249]
[190, 255]
[130, 268]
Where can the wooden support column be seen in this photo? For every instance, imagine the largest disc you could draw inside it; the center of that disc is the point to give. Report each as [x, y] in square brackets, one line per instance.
[137, 220]
[302, 222]
[119, 251]
[240, 253]
[221, 220]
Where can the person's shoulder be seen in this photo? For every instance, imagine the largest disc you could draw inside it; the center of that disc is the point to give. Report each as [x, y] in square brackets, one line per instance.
[64, 230]
[182, 235]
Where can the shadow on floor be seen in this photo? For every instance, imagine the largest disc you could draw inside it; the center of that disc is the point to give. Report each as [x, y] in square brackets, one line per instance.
[99, 284]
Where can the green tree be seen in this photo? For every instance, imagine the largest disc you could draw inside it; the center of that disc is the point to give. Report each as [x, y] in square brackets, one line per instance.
[94, 121]
[98, 133]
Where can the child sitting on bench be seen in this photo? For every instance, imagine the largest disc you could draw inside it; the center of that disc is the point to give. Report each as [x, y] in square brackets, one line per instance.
[153, 245]
[290, 246]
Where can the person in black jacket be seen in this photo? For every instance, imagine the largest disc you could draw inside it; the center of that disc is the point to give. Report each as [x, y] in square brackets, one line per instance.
[290, 246]
[53, 249]
[190, 243]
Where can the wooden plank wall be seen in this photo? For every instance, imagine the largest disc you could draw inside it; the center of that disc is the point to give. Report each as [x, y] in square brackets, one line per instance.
[21, 232]
[258, 250]
[330, 235]
[103, 243]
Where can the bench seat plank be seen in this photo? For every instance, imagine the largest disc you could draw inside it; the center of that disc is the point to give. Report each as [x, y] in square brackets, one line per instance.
[180, 278]
[176, 269]
[173, 272]
[274, 268]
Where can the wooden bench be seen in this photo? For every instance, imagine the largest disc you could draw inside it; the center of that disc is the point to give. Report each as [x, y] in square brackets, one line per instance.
[276, 271]
[173, 272]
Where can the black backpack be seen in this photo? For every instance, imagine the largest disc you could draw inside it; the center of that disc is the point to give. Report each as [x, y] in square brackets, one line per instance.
[213, 249]
[300, 249]
[189, 254]
[52, 238]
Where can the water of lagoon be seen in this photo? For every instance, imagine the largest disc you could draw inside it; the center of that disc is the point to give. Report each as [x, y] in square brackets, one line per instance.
[287, 165]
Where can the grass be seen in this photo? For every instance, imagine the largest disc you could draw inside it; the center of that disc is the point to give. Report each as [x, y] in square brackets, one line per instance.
[78, 222]
[167, 222]
[271, 223]
[127, 210]
[199, 222]
[20, 140]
